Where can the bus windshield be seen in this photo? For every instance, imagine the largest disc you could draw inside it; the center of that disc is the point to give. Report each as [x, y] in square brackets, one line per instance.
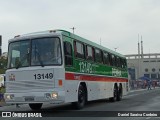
[35, 52]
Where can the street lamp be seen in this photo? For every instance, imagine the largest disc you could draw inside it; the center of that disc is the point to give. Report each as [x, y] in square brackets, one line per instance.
[116, 48]
[73, 29]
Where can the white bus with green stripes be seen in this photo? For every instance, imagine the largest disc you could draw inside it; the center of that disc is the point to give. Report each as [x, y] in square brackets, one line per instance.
[57, 66]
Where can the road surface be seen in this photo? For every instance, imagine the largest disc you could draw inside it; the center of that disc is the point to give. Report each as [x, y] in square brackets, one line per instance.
[141, 101]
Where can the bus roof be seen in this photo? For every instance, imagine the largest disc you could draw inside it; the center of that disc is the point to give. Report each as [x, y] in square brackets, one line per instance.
[90, 43]
[69, 34]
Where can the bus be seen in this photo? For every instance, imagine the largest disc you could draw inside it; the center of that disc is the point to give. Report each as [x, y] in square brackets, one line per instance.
[57, 67]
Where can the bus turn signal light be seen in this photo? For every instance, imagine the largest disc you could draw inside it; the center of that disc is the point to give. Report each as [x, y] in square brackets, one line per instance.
[60, 83]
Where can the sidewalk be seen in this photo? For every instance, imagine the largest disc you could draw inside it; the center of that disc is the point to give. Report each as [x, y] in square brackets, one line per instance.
[143, 89]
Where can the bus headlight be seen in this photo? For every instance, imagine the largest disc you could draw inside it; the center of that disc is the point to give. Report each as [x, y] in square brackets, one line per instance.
[9, 96]
[54, 95]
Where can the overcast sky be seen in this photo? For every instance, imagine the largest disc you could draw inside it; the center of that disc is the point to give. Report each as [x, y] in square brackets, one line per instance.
[116, 22]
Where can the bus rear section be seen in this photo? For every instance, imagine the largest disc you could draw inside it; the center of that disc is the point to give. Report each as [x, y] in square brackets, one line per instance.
[35, 72]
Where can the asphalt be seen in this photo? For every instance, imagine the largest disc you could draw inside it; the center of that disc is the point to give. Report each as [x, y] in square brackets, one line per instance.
[3, 104]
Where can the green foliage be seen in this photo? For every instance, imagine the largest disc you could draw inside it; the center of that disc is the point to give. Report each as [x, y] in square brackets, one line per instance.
[2, 89]
[3, 65]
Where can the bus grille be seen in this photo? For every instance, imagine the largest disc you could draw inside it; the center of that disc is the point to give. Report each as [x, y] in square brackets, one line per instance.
[19, 86]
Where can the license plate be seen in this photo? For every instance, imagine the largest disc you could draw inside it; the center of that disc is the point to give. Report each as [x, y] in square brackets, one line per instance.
[29, 98]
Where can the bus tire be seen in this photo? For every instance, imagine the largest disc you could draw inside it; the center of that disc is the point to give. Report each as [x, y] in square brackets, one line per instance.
[115, 93]
[81, 98]
[35, 106]
[119, 95]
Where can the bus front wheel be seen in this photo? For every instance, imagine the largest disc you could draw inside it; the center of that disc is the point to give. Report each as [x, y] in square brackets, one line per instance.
[81, 98]
[35, 106]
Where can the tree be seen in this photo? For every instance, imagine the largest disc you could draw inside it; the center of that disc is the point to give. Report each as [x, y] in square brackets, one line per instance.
[3, 65]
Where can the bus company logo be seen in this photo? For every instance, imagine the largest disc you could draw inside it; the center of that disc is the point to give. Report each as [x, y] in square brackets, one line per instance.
[6, 114]
[116, 72]
[20, 115]
[12, 77]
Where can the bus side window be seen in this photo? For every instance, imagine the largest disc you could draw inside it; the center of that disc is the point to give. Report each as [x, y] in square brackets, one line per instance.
[89, 53]
[106, 58]
[68, 54]
[125, 63]
[121, 62]
[79, 50]
[117, 60]
[98, 55]
[112, 59]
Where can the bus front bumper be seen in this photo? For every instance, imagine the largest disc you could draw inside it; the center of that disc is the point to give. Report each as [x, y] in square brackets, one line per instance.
[35, 97]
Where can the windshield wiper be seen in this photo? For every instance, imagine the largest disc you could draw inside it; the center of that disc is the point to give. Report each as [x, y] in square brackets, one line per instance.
[26, 56]
[22, 61]
[19, 63]
[39, 59]
[38, 55]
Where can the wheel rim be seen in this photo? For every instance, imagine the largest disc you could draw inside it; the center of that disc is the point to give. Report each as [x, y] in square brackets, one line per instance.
[115, 93]
[120, 93]
[81, 97]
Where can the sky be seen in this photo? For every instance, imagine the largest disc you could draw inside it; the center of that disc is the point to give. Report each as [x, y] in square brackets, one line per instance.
[116, 23]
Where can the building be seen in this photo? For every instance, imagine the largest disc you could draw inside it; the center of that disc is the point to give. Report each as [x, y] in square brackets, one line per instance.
[141, 64]
[147, 65]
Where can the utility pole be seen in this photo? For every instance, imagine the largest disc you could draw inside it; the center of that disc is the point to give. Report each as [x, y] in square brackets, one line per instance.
[100, 41]
[138, 67]
[73, 29]
[116, 48]
[141, 47]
